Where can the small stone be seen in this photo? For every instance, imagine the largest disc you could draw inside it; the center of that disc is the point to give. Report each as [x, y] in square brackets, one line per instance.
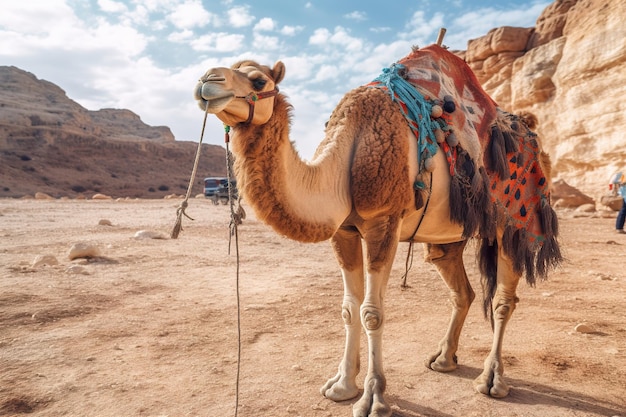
[105, 222]
[43, 260]
[42, 196]
[586, 208]
[83, 250]
[584, 328]
[100, 196]
[296, 368]
[76, 270]
[149, 234]
[436, 111]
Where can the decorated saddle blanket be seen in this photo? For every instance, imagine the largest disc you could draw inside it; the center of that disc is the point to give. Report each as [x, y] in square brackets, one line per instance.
[494, 159]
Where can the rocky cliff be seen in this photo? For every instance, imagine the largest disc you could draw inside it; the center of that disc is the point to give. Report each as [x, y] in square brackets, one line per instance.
[570, 71]
[51, 144]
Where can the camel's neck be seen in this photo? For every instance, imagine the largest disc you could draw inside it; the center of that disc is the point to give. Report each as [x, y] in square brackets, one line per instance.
[303, 201]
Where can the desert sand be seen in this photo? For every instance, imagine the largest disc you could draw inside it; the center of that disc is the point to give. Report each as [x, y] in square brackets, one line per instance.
[148, 327]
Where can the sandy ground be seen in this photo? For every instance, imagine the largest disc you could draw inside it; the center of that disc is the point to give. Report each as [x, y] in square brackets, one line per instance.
[149, 328]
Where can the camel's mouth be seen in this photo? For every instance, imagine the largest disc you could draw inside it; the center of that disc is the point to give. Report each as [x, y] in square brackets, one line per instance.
[210, 94]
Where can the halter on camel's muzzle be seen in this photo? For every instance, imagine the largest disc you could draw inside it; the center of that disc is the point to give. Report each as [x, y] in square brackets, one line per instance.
[253, 97]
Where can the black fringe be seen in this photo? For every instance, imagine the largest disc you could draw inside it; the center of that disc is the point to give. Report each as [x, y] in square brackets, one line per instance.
[419, 199]
[457, 202]
[548, 220]
[497, 160]
[549, 255]
[488, 226]
[470, 201]
[488, 265]
[510, 144]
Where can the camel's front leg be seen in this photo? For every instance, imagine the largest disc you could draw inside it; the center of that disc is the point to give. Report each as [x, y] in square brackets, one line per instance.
[491, 381]
[348, 250]
[381, 242]
[448, 259]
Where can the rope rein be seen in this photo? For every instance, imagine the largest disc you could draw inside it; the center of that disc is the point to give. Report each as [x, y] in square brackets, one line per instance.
[236, 217]
[180, 211]
[408, 264]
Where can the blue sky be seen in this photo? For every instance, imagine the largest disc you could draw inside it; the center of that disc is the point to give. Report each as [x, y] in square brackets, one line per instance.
[146, 55]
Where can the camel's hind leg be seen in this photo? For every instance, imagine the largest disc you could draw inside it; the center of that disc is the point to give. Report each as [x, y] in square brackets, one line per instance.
[491, 381]
[348, 249]
[448, 259]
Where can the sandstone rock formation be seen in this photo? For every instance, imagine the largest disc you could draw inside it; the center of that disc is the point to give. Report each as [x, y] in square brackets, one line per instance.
[52, 145]
[566, 196]
[570, 71]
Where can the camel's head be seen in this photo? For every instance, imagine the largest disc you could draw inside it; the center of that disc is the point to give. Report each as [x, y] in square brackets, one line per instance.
[242, 93]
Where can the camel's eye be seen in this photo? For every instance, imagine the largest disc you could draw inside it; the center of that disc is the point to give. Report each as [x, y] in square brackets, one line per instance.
[259, 83]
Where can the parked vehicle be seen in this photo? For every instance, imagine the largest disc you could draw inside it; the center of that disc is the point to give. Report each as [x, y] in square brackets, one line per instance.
[216, 188]
[212, 185]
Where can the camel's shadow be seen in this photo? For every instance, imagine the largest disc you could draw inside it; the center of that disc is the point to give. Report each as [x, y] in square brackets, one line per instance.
[522, 392]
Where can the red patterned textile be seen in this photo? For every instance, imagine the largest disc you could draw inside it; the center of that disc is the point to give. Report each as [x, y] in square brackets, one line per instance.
[510, 154]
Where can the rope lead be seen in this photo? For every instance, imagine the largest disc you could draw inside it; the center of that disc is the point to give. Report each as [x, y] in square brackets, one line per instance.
[180, 211]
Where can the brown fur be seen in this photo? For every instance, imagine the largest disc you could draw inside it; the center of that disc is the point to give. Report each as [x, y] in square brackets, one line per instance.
[258, 176]
[380, 152]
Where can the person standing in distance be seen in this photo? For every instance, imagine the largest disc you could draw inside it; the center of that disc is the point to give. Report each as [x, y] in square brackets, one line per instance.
[618, 186]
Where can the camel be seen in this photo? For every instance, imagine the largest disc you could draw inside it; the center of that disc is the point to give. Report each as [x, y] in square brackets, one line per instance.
[460, 169]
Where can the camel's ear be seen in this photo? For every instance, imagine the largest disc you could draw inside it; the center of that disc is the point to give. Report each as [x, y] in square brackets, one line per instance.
[278, 72]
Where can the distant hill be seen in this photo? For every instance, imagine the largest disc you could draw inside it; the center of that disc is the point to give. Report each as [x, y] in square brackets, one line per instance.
[50, 143]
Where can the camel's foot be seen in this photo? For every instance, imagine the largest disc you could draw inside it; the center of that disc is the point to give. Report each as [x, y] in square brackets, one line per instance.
[372, 403]
[340, 388]
[441, 363]
[491, 383]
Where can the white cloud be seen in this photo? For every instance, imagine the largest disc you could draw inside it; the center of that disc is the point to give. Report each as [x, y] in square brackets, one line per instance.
[477, 23]
[111, 6]
[326, 72]
[343, 38]
[380, 29]
[266, 43]
[240, 16]
[320, 37]
[356, 15]
[35, 18]
[420, 29]
[340, 37]
[180, 37]
[298, 68]
[291, 30]
[218, 42]
[265, 24]
[190, 14]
